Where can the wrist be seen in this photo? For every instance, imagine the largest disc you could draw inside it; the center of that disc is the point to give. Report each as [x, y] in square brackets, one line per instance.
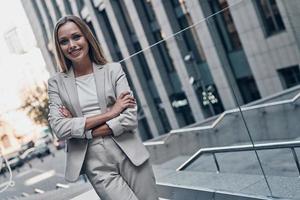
[112, 114]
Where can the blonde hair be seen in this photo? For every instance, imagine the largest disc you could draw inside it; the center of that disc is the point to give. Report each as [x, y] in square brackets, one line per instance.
[95, 51]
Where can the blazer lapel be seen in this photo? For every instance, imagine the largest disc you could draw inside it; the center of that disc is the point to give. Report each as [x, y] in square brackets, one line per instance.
[70, 84]
[99, 74]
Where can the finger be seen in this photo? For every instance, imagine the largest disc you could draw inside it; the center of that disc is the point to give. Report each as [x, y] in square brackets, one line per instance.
[65, 114]
[131, 101]
[123, 94]
[130, 105]
[126, 101]
[128, 97]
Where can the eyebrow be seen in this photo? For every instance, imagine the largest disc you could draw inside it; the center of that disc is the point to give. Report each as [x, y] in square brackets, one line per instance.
[75, 33]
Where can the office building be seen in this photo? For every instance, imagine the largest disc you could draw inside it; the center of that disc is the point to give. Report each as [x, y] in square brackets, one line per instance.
[244, 50]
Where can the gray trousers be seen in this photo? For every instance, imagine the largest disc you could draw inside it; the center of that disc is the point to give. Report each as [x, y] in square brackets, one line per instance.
[112, 174]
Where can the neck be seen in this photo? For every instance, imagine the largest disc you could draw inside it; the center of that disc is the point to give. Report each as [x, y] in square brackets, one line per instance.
[83, 67]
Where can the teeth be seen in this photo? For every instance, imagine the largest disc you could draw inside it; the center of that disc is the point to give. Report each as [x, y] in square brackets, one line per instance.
[75, 51]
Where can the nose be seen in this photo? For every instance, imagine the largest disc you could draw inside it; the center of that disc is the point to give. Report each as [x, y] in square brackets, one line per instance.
[72, 44]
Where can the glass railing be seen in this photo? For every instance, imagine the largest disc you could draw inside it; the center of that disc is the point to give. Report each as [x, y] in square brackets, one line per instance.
[192, 71]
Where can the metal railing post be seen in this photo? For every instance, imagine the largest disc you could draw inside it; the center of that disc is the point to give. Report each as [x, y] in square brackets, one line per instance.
[296, 159]
[216, 162]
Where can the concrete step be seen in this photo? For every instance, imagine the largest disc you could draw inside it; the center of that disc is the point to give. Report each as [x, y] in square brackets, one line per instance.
[242, 184]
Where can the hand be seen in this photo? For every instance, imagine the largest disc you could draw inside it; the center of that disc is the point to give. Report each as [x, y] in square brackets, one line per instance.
[65, 112]
[102, 130]
[125, 100]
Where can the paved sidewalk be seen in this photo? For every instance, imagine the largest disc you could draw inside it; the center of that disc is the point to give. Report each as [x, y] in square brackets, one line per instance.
[75, 190]
[90, 195]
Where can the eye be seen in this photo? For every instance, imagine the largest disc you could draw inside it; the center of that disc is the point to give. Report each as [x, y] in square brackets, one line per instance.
[63, 42]
[76, 37]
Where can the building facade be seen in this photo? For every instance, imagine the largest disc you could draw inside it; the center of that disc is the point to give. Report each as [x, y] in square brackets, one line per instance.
[243, 51]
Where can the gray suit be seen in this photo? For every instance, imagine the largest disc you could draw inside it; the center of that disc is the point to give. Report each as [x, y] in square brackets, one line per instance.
[110, 82]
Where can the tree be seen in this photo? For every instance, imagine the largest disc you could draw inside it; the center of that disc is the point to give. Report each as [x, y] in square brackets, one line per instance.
[35, 104]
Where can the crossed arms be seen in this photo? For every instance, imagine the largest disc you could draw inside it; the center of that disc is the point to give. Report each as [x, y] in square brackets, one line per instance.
[122, 116]
[97, 123]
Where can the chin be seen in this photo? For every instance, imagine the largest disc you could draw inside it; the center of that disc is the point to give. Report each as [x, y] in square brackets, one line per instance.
[77, 59]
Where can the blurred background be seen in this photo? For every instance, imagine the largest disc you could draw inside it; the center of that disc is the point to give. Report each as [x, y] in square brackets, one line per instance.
[217, 86]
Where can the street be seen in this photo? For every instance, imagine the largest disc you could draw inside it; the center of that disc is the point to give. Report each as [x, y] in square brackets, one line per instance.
[42, 177]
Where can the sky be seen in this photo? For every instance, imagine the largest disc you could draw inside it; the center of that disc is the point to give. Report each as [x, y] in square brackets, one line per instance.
[18, 71]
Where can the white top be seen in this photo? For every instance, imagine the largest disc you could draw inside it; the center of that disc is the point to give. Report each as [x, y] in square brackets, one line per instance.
[87, 94]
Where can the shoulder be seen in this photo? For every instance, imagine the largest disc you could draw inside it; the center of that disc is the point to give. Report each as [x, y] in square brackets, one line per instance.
[56, 77]
[114, 70]
[113, 67]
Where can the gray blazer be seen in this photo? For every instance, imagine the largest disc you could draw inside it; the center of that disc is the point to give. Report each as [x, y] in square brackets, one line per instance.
[110, 83]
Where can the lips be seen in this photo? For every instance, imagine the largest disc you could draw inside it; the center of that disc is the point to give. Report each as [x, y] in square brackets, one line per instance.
[75, 52]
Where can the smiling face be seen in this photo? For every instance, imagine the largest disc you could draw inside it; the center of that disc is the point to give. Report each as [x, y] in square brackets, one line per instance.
[72, 42]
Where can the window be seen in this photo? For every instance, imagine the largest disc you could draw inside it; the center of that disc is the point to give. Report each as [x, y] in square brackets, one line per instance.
[68, 8]
[290, 76]
[79, 4]
[248, 89]
[182, 109]
[126, 19]
[162, 115]
[114, 48]
[50, 21]
[56, 9]
[189, 36]
[46, 33]
[90, 25]
[229, 34]
[144, 129]
[270, 16]
[142, 61]
[147, 9]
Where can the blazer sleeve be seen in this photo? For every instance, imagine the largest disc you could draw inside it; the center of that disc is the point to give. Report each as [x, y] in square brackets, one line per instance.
[127, 120]
[63, 128]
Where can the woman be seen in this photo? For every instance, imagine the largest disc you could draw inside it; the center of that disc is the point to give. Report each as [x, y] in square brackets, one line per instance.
[91, 107]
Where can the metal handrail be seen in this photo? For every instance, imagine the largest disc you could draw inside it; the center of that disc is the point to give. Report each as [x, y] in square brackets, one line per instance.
[218, 120]
[238, 148]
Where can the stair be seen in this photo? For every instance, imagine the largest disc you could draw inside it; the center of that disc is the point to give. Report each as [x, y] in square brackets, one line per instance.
[202, 182]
